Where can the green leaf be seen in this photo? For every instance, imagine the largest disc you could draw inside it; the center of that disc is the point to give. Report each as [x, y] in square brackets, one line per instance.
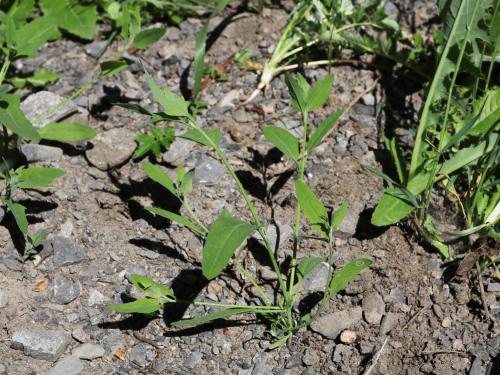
[226, 234]
[187, 182]
[150, 288]
[213, 316]
[67, 132]
[319, 94]
[34, 34]
[197, 136]
[21, 10]
[42, 77]
[283, 140]
[113, 67]
[156, 174]
[19, 212]
[147, 37]
[37, 177]
[297, 92]
[390, 209]
[322, 130]
[307, 265]
[177, 218]
[346, 274]
[14, 119]
[77, 19]
[338, 216]
[312, 208]
[172, 104]
[398, 159]
[140, 306]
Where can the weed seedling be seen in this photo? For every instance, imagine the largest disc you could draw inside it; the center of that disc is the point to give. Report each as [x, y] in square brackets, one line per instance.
[227, 233]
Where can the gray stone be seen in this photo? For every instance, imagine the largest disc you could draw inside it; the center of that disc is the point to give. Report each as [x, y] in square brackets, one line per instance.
[3, 370]
[114, 341]
[111, 148]
[366, 347]
[373, 308]
[391, 10]
[477, 367]
[493, 287]
[341, 351]
[89, 351]
[348, 226]
[94, 49]
[67, 366]
[341, 143]
[368, 99]
[389, 322]
[208, 171]
[63, 290]
[294, 360]
[142, 355]
[46, 345]
[42, 101]
[66, 252]
[95, 298]
[316, 280]
[260, 364]
[330, 325]
[241, 115]
[285, 234]
[397, 295]
[179, 152]
[193, 360]
[35, 152]
[12, 263]
[4, 298]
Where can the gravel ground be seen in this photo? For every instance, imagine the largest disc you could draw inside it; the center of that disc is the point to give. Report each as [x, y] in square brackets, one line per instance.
[404, 315]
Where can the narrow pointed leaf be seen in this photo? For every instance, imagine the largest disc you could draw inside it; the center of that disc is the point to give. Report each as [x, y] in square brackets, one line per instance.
[214, 316]
[139, 306]
[312, 208]
[19, 213]
[322, 130]
[113, 67]
[390, 209]
[338, 216]
[299, 96]
[149, 287]
[156, 174]
[226, 234]
[319, 94]
[147, 37]
[283, 140]
[67, 132]
[197, 136]
[346, 274]
[14, 119]
[177, 218]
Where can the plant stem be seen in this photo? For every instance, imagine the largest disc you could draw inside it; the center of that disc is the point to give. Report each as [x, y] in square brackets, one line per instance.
[250, 278]
[193, 215]
[260, 227]
[229, 306]
[5, 67]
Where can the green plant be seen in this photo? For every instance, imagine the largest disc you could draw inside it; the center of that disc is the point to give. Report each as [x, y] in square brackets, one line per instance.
[154, 142]
[227, 233]
[330, 25]
[456, 146]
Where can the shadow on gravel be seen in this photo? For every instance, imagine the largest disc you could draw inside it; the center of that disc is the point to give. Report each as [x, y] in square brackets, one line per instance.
[365, 230]
[112, 95]
[157, 247]
[146, 188]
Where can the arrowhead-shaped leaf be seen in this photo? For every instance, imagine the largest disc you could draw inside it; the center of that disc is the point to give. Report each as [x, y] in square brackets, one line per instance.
[226, 234]
[390, 209]
[147, 37]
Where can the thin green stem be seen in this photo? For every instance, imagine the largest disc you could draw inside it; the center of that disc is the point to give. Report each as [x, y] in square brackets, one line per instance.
[251, 279]
[260, 227]
[230, 306]
[193, 215]
[5, 67]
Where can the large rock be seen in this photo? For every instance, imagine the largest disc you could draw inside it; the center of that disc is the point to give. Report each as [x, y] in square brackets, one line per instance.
[66, 251]
[67, 366]
[46, 345]
[35, 152]
[111, 148]
[330, 325]
[42, 101]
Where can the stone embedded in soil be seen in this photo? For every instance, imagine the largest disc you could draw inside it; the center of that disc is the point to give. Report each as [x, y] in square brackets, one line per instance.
[3, 370]
[208, 171]
[373, 308]
[390, 320]
[35, 152]
[493, 287]
[40, 102]
[12, 263]
[179, 152]
[46, 345]
[194, 359]
[67, 366]
[89, 351]
[63, 290]
[142, 355]
[316, 280]
[95, 298]
[330, 325]
[260, 364]
[284, 231]
[477, 367]
[348, 226]
[66, 252]
[111, 148]
[294, 360]
[4, 298]
[341, 351]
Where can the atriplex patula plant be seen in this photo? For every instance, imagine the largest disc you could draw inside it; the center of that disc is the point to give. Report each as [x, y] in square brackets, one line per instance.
[227, 233]
[456, 147]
